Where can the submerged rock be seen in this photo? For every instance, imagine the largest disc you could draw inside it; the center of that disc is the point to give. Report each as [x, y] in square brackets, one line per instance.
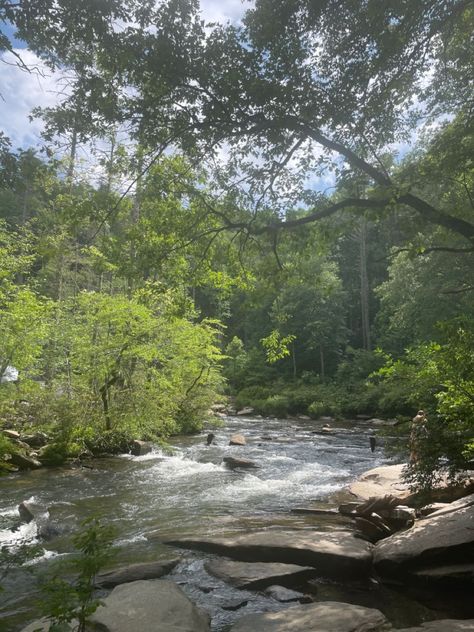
[258, 575]
[135, 572]
[285, 595]
[335, 554]
[329, 616]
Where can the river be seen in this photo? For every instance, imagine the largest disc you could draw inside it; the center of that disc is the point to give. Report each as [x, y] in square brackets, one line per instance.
[190, 492]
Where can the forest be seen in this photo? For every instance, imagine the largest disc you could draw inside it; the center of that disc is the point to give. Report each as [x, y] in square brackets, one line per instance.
[280, 211]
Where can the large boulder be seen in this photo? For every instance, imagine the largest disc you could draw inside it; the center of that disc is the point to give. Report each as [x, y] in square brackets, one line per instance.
[234, 463]
[247, 410]
[24, 462]
[149, 605]
[445, 539]
[329, 616]
[135, 572]
[237, 439]
[259, 575]
[139, 448]
[381, 481]
[335, 554]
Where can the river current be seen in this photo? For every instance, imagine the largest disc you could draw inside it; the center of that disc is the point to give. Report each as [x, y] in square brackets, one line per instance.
[190, 492]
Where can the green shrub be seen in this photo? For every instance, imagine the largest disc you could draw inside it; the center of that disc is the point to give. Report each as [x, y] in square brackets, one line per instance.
[54, 454]
[276, 406]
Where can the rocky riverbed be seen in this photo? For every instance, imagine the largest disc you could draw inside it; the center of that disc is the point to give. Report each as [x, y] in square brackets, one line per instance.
[303, 566]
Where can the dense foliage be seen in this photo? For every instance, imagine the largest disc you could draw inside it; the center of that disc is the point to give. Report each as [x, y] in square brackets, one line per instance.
[256, 206]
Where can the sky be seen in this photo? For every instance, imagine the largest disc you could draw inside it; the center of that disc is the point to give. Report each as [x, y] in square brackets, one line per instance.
[20, 91]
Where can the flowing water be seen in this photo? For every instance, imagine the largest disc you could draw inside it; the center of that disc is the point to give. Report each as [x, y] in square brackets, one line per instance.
[191, 492]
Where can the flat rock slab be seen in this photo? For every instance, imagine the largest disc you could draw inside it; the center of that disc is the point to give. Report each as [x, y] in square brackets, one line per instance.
[443, 625]
[149, 606]
[381, 481]
[333, 554]
[435, 541]
[135, 572]
[259, 575]
[330, 616]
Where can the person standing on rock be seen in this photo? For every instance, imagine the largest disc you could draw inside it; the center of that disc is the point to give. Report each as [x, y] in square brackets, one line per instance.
[418, 435]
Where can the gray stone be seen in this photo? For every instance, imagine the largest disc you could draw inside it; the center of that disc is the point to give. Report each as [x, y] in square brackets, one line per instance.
[285, 595]
[24, 462]
[333, 554]
[381, 481]
[233, 463]
[139, 448]
[434, 541]
[329, 616]
[247, 410]
[11, 434]
[258, 575]
[135, 572]
[36, 440]
[443, 625]
[237, 439]
[149, 606]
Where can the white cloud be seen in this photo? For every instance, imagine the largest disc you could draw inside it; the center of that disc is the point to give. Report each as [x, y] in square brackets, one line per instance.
[20, 92]
[224, 10]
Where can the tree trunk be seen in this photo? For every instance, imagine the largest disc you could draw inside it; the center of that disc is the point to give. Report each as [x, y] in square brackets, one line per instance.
[364, 287]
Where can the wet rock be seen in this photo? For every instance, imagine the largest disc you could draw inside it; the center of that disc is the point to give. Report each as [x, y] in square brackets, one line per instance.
[443, 625]
[259, 575]
[135, 572]
[139, 448]
[149, 605]
[335, 554]
[329, 616]
[24, 462]
[210, 438]
[28, 511]
[235, 605]
[247, 410]
[435, 541]
[237, 439]
[234, 463]
[285, 595]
